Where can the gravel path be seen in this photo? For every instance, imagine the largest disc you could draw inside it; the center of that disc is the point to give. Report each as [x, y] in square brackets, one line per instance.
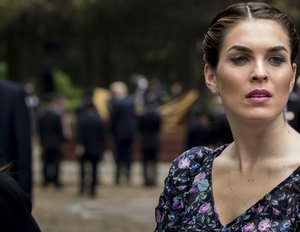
[114, 209]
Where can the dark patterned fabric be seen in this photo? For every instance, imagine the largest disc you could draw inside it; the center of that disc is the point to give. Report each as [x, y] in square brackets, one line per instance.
[187, 203]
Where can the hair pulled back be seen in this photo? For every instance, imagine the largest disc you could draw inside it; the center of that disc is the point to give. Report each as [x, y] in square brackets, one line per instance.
[231, 16]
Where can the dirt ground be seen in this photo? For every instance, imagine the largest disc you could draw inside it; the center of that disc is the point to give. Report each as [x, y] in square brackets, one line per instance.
[114, 209]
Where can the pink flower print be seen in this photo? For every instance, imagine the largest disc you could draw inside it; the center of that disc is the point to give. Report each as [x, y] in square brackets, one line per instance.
[264, 225]
[171, 225]
[178, 204]
[199, 154]
[260, 209]
[276, 211]
[206, 207]
[184, 163]
[200, 176]
[193, 189]
[248, 227]
[158, 216]
[282, 196]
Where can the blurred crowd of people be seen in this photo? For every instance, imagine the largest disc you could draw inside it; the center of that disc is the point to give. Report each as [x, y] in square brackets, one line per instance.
[134, 118]
[134, 123]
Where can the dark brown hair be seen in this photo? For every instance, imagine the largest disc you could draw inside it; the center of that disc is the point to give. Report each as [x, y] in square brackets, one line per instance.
[6, 168]
[236, 13]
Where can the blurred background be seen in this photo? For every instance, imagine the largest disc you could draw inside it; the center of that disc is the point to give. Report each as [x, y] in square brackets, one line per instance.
[67, 47]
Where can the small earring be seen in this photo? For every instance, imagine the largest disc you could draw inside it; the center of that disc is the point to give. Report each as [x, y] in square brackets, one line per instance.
[215, 92]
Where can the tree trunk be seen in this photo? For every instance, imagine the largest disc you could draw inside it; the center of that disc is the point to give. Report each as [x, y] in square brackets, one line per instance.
[24, 52]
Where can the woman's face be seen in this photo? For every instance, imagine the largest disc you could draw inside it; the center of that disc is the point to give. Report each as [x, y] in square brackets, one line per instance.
[254, 75]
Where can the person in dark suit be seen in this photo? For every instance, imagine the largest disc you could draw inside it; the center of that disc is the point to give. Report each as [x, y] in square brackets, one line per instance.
[50, 131]
[123, 128]
[199, 130]
[220, 129]
[149, 127]
[293, 111]
[15, 210]
[91, 143]
[15, 134]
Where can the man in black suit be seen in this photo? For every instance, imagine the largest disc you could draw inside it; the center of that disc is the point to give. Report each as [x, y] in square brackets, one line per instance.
[50, 131]
[15, 135]
[149, 127]
[91, 143]
[293, 111]
[123, 128]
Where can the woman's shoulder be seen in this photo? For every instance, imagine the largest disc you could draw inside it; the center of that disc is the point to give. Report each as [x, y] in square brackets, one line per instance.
[186, 166]
[197, 156]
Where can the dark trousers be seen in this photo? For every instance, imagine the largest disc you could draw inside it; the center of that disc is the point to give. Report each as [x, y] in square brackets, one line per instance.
[123, 159]
[51, 166]
[150, 166]
[88, 165]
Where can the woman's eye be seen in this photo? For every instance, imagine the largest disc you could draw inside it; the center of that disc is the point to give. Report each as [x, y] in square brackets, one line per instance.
[239, 60]
[276, 60]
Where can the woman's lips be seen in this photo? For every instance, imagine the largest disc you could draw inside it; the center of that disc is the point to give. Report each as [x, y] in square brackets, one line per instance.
[258, 96]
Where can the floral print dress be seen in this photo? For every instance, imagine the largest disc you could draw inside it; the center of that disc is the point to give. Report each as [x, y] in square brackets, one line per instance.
[187, 203]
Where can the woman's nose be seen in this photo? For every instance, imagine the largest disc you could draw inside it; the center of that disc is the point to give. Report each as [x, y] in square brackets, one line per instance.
[259, 72]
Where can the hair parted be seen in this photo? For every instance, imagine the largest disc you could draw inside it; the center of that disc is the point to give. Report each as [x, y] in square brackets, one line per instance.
[231, 16]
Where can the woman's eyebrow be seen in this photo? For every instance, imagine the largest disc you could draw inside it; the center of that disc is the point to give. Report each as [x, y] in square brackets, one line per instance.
[277, 49]
[239, 48]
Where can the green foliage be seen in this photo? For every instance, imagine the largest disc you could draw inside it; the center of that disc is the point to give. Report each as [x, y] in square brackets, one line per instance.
[65, 88]
[12, 9]
[3, 70]
[161, 54]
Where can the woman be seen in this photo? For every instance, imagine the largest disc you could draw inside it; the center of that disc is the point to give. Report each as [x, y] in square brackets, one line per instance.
[252, 184]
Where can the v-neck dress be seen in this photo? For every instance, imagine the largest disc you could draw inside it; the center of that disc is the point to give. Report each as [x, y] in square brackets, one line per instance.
[187, 204]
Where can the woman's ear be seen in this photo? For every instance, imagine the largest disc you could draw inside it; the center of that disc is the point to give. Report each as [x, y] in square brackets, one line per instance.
[210, 79]
[294, 67]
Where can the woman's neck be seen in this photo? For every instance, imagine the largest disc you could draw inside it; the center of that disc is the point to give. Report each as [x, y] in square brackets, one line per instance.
[258, 142]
